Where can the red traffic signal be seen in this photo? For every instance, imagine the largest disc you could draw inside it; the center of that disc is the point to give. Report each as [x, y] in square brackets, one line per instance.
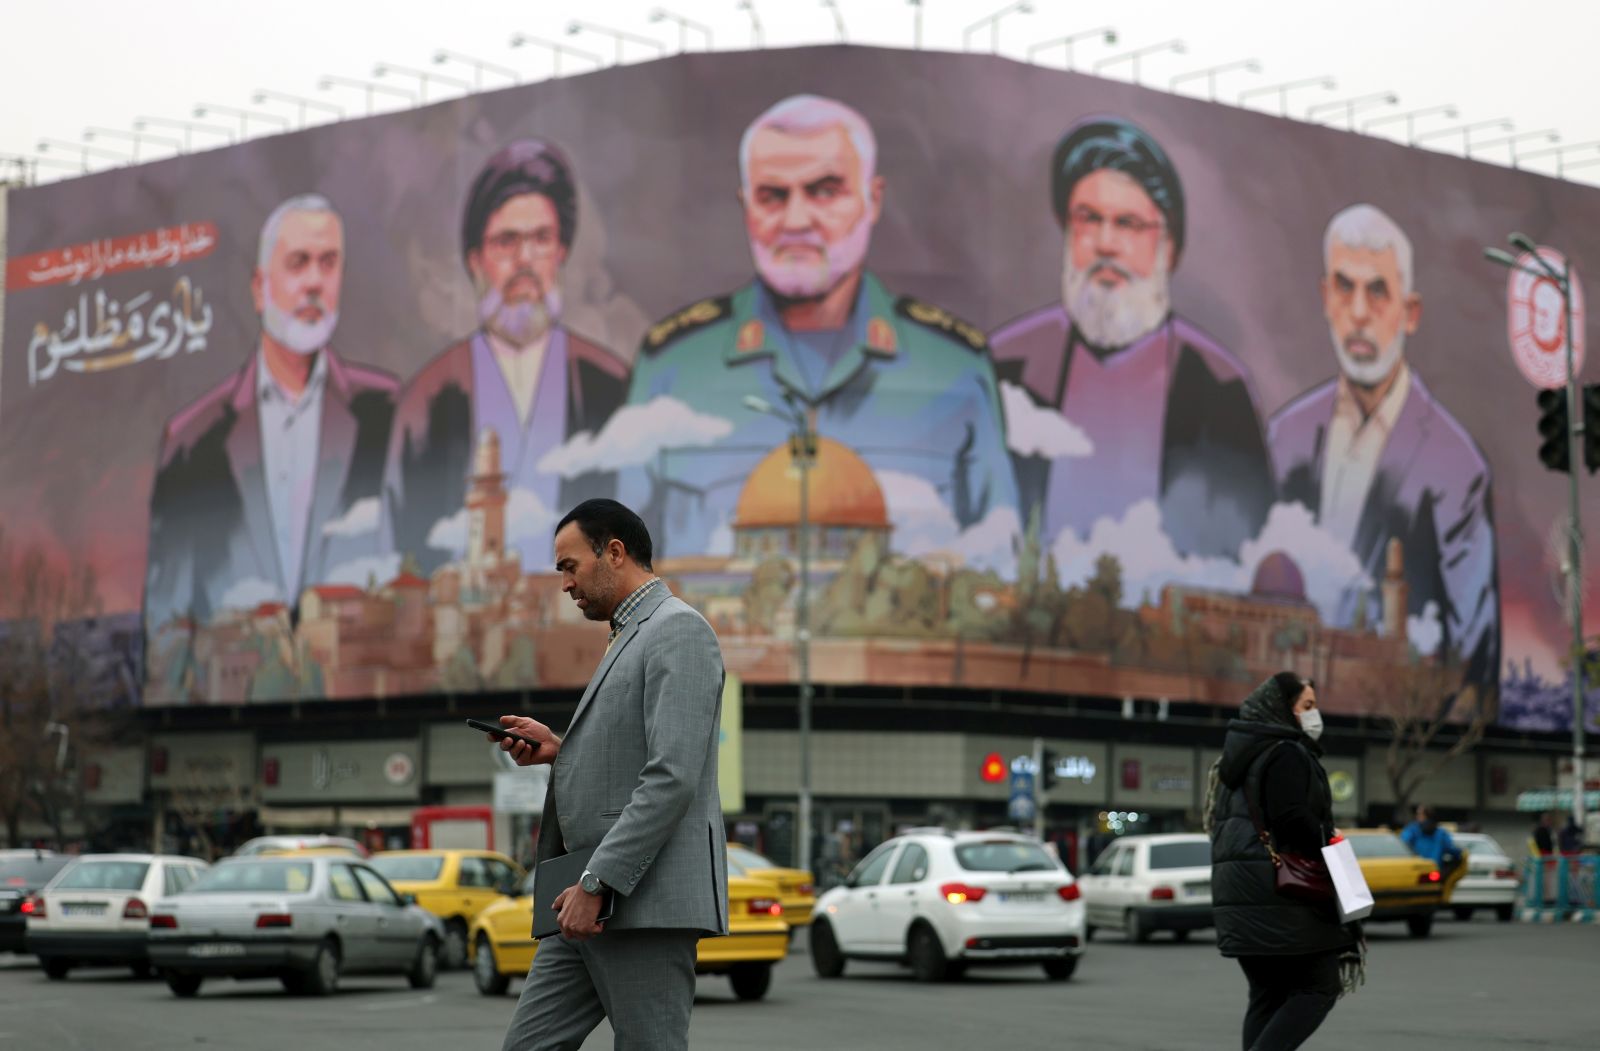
[993, 769]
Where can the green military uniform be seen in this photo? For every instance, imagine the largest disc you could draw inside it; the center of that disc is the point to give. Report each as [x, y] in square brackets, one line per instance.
[906, 385]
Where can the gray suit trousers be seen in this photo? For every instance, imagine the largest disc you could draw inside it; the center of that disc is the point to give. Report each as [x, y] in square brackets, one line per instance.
[641, 981]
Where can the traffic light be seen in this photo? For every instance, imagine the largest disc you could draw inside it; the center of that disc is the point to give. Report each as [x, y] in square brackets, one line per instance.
[1047, 770]
[1555, 429]
[1591, 427]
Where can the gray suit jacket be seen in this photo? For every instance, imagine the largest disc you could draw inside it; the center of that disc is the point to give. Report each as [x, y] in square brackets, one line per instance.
[1432, 491]
[636, 776]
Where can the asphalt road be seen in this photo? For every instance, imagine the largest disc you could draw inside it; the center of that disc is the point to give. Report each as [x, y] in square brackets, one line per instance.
[1472, 985]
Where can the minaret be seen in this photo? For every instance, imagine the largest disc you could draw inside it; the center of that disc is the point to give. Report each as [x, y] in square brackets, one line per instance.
[486, 503]
[1394, 592]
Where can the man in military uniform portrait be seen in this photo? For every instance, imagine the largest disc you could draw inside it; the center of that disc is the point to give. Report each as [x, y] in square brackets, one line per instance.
[522, 374]
[1169, 412]
[905, 385]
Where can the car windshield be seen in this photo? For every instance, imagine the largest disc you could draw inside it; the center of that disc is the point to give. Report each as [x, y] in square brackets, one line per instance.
[30, 871]
[1481, 845]
[1382, 845]
[1004, 855]
[750, 859]
[249, 877]
[104, 875]
[1195, 855]
[417, 867]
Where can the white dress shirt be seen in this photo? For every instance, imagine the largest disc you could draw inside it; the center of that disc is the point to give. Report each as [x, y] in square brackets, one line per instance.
[520, 366]
[291, 431]
[1355, 445]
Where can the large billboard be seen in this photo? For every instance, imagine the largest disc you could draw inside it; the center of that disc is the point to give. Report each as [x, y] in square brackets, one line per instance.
[1115, 392]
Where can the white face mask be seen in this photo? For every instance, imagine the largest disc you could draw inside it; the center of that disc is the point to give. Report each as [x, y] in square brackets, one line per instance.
[1311, 723]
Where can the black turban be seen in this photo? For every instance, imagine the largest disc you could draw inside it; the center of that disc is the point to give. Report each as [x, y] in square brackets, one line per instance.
[526, 166]
[1110, 142]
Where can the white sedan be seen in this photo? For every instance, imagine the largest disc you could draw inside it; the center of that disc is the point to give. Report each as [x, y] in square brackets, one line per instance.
[940, 901]
[1141, 884]
[96, 911]
[1491, 880]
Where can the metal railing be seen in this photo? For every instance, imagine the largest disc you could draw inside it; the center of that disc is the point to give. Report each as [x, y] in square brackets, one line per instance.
[1561, 887]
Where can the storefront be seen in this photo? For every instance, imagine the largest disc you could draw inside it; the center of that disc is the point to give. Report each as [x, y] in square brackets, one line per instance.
[366, 789]
[464, 769]
[204, 786]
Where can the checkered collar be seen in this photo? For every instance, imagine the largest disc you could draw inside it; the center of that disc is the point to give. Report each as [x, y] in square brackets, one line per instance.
[625, 608]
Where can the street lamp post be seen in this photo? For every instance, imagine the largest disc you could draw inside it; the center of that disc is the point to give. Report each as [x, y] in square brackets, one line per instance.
[329, 81]
[244, 116]
[621, 36]
[1410, 118]
[1326, 83]
[1466, 131]
[1105, 33]
[838, 18]
[803, 451]
[136, 137]
[423, 77]
[1350, 105]
[188, 126]
[1563, 280]
[1561, 152]
[758, 36]
[556, 50]
[46, 145]
[916, 23]
[1021, 7]
[661, 14]
[1510, 141]
[1249, 64]
[301, 103]
[441, 56]
[1137, 54]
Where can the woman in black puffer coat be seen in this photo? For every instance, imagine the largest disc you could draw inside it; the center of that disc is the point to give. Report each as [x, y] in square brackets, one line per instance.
[1298, 958]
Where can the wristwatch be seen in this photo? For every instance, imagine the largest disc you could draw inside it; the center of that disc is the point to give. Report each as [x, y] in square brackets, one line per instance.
[590, 883]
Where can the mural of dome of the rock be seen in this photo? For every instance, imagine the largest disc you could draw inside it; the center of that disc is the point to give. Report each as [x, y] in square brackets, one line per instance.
[1108, 399]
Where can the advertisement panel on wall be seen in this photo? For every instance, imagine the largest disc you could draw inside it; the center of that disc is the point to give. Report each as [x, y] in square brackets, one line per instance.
[1114, 392]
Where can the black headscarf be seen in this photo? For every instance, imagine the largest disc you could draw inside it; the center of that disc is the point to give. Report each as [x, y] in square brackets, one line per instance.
[1273, 701]
[1099, 143]
[525, 166]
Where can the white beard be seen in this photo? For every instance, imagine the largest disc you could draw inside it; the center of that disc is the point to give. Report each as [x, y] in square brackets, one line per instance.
[521, 323]
[301, 337]
[1116, 317]
[797, 280]
[1369, 373]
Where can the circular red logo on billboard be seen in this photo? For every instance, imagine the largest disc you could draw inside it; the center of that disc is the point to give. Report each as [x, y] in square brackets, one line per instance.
[1536, 321]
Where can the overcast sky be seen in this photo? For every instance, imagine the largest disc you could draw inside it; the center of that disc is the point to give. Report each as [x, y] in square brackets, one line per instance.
[106, 63]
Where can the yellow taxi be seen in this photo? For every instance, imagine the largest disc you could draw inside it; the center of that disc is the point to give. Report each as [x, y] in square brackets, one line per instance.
[454, 885]
[797, 888]
[502, 947]
[1404, 886]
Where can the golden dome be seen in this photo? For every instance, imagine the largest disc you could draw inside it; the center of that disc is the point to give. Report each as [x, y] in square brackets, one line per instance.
[843, 491]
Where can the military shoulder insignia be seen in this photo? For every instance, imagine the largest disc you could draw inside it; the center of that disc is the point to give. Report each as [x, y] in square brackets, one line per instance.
[692, 317]
[930, 316]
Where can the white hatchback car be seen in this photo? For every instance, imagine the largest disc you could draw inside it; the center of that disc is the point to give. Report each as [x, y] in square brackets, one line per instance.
[940, 900]
[96, 911]
[1491, 879]
[1141, 884]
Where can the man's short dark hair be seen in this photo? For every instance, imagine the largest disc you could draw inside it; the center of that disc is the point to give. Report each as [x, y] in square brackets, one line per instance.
[525, 166]
[602, 521]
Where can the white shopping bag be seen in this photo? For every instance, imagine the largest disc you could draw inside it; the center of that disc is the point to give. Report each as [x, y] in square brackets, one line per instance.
[1349, 885]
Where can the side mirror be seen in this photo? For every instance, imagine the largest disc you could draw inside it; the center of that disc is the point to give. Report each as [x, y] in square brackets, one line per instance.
[408, 899]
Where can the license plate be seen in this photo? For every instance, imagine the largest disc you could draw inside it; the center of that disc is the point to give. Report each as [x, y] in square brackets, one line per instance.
[1196, 890]
[213, 949]
[1023, 896]
[78, 909]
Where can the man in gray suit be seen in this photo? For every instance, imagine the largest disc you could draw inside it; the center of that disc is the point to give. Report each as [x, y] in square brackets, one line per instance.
[635, 778]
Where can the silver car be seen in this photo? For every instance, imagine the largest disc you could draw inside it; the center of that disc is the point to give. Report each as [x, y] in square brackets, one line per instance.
[305, 920]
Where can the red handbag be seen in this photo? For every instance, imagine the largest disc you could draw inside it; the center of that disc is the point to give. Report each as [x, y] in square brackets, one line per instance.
[1297, 876]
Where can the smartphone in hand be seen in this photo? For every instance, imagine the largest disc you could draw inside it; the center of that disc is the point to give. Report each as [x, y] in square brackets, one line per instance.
[500, 732]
